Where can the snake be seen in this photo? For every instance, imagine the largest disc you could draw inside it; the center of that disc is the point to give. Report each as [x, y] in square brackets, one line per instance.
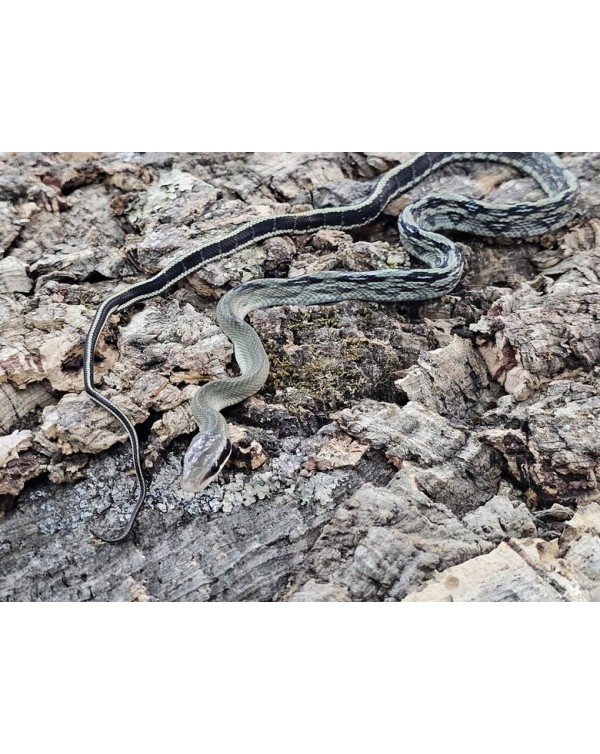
[422, 226]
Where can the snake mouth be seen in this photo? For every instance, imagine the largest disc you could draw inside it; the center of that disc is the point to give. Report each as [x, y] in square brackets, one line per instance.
[189, 485]
[203, 461]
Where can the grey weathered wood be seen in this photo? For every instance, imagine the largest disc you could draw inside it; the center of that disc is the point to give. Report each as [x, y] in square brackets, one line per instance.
[448, 450]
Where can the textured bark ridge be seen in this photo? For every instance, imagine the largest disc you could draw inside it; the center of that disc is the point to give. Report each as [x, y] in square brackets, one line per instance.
[447, 450]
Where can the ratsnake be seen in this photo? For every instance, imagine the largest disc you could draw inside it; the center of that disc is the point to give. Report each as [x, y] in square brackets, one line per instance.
[419, 226]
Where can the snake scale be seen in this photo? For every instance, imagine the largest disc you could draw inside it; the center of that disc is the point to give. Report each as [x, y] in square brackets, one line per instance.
[419, 226]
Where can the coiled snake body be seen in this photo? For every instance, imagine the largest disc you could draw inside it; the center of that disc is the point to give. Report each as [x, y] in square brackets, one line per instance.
[419, 226]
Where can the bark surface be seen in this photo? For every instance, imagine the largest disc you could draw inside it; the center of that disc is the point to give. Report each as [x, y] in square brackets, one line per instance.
[447, 450]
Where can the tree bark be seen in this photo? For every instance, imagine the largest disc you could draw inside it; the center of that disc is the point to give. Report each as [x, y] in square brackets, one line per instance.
[447, 450]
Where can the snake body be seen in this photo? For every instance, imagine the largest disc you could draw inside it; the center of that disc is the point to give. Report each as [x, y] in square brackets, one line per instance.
[419, 226]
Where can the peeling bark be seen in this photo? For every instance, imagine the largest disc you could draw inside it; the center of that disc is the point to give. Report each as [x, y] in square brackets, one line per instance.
[446, 450]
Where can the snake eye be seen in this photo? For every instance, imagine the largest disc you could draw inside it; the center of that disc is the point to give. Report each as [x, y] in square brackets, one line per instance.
[204, 459]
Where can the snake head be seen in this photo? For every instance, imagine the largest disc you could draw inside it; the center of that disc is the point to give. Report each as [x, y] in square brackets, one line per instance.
[204, 459]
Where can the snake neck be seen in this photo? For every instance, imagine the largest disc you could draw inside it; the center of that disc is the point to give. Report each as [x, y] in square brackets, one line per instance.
[210, 421]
